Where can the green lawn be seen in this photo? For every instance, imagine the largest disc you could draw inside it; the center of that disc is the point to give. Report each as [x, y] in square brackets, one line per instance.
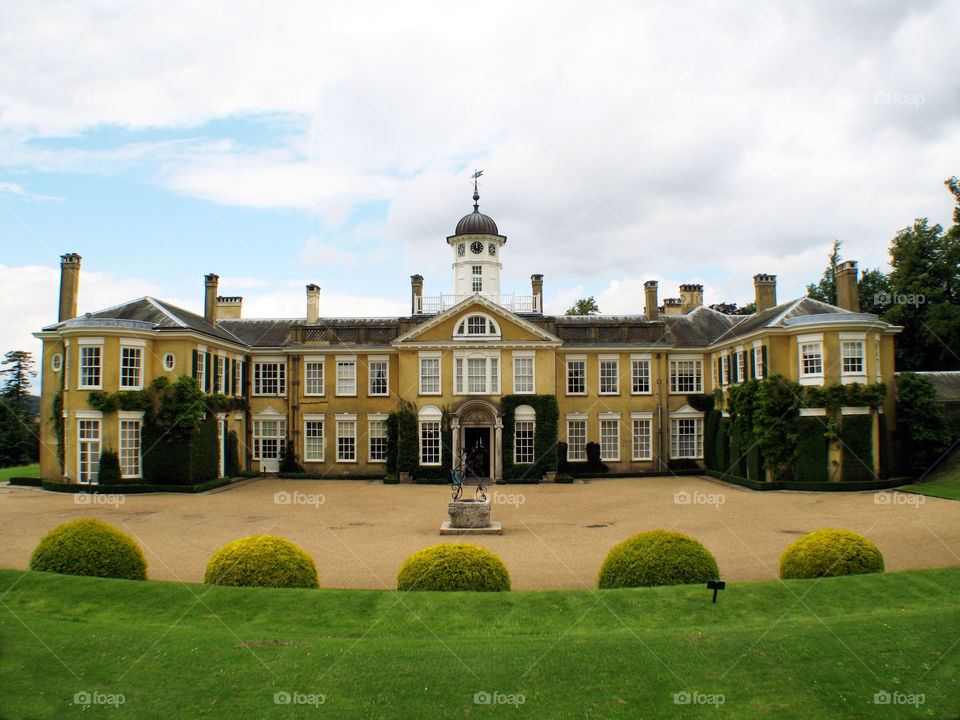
[943, 487]
[21, 471]
[803, 649]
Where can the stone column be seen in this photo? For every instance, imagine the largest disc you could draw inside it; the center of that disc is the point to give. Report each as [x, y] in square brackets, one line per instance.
[454, 441]
[498, 450]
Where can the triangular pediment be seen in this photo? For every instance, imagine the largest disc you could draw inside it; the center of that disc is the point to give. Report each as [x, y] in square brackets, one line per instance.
[441, 327]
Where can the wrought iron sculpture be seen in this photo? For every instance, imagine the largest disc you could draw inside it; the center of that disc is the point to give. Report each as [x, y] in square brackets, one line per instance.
[464, 461]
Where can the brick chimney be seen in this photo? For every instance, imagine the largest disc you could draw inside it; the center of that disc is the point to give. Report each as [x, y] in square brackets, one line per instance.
[536, 285]
[672, 306]
[69, 285]
[416, 292]
[210, 298]
[313, 303]
[652, 304]
[765, 291]
[228, 308]
[848, 294]
[691, 297]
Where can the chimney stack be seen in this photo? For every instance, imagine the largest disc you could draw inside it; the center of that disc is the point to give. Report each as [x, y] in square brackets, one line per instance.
[313, 303]
[536, 284]
[652, 304]
[228, 308]
[672, 306]
[848, 294]
[765, 291]
[416, 293]
[210, 298]
[69, 284]
[691, 297]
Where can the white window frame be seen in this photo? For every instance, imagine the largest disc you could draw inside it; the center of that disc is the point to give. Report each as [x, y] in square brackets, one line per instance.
[530, 356]
[379, 419]
[433, 357]
[221, 374]
[132, 345]
[125, 417]
[846, 377]
[876, 359]
[684, 415]
[634, 361]
[637, 419]
[314, 361]
[259, 380]
[169, 362]
[490, 361]
[525, 415]
[346, 386]
[314, 419]
[90, 468]
[201, 365]
[673, 361]
[385, 361]
[491, 328]
[601, 361]
[576, 418]
[90, 344]
[757, 351]
[66, 364]
[567, 362]
[476, 278]
[258, 437]
[344, 421]
[813, 378]
[430, 416]
[605, 419]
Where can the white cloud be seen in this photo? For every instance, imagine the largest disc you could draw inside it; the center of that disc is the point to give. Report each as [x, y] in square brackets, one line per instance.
[21, 193]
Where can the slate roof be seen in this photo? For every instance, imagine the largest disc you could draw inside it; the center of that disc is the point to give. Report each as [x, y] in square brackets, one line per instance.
[153, 314]
[946, 383]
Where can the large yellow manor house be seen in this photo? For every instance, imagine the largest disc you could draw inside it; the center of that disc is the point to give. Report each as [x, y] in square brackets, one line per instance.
[327, 386]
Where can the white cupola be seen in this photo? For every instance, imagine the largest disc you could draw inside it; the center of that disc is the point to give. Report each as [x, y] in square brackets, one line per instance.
[476, 246]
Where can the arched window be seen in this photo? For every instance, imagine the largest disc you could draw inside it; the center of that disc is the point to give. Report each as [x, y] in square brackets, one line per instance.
[429, 419]
[476, 327]
[523, 433]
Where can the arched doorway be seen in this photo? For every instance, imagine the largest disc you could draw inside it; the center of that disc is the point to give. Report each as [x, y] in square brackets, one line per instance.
[478, 430]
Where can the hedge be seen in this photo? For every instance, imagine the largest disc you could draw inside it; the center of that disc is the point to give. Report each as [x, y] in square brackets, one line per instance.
[723, 444]
[261, 561]
[856, 434]
[813, 449]
[657, 557]
[89, 547]
[130, 488]
[830, 553]
[454, 566]
[710, 426]
[26, 481]
[810, 486]
[546, 418]
[170, 460]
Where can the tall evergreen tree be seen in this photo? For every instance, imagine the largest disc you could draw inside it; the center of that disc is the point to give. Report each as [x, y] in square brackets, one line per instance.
[19, 444]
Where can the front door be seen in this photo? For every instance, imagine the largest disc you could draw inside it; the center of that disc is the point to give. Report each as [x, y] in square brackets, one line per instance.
[476, 442]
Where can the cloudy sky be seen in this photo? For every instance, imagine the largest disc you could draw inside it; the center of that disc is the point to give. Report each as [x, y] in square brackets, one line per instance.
[279, 144]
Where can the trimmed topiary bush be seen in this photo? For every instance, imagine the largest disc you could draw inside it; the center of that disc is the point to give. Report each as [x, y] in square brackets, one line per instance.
[658, 557]
[261, 561]
[89, 547]
[830, 553]
[109, 468]
[453, 566]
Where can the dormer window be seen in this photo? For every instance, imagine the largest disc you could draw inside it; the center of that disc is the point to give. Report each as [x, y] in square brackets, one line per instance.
[477, 327]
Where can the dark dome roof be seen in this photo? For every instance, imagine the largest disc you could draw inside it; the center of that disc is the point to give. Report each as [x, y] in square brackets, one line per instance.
[476, 223]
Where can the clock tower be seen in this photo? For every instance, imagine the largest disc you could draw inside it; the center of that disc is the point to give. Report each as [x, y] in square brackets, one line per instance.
[476, 247]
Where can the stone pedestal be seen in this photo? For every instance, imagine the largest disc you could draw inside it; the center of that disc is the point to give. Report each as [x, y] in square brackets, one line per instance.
[470, 517]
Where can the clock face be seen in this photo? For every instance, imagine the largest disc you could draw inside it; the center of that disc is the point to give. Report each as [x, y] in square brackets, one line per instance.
[461, 249]
[492, 249]
[476, 247]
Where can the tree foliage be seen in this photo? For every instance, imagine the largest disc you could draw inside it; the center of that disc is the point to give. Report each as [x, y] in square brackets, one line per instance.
[584, 306]
[19, 436]
[922, 429]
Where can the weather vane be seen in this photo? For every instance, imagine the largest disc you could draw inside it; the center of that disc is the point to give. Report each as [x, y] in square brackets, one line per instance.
[476, 191]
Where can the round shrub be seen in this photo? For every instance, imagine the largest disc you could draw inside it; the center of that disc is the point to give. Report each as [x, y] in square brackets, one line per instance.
[830, 553]
[657, 557]
[454, 566]
[89, 547]
[262, 561]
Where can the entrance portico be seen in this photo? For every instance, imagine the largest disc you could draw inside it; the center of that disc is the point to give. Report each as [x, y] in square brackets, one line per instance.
[477, 427]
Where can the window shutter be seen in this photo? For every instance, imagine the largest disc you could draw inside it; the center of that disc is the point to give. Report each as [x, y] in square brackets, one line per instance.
[207, 375]
[753, 366]
[763, 361]
[244, 380]
[216, 373]
[720, 371]
[233, 377]
[745, 365]
[194, 372]
[733, 369]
